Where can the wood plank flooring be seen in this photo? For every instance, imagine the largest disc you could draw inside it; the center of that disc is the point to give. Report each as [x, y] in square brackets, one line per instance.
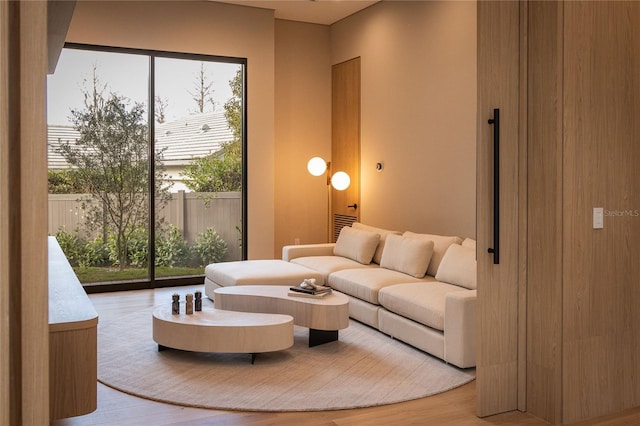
[456, 407]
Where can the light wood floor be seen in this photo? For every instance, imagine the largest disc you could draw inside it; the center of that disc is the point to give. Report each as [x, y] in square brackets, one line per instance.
[456, 407]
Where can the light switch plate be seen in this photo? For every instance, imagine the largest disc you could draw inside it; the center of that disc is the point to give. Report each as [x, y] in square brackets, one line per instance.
[598, 217]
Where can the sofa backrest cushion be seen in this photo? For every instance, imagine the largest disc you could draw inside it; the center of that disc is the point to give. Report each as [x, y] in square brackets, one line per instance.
[458, 267]
[356, 244]
[377, 257]
[408, 255]
[440, 245]
[469, 242]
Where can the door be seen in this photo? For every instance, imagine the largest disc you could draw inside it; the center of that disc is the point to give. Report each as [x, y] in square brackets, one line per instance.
[498, 227]
[345, 142]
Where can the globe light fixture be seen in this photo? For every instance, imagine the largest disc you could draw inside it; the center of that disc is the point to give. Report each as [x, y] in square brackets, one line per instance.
[340, 181]
[317, 166]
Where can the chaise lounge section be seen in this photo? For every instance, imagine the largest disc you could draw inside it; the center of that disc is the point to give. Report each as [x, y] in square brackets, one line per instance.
[255, 272]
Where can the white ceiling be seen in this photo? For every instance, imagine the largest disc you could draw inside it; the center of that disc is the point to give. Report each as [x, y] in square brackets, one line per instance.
[315, 11]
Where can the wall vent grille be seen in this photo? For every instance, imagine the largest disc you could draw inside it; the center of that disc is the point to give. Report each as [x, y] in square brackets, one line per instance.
[339, 222]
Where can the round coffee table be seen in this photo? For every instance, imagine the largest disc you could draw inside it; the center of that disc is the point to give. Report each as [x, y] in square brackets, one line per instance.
[323, 316]
[216, 330]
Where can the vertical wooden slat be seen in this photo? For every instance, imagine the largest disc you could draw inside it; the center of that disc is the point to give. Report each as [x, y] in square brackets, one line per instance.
[23, 214]
[5, 320]
[178, 199]
[544, 268]
[523, 205]
[33, 212]
[498, 87]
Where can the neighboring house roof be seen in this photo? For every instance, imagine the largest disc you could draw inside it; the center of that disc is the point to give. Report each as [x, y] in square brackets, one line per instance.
[187, 138]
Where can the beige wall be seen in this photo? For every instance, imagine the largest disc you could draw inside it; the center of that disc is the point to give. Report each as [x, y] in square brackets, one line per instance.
[418, 112]
[205, 28]
[302, 129]
[418, 105]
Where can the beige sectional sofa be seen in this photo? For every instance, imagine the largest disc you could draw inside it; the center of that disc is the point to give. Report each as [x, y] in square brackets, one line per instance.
[418, 288]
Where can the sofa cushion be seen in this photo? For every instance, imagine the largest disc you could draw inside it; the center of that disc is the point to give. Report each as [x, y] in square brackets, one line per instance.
[458, 267]
[469, 242]
[408, 255]
[440, 245]
[328, 264]
[356, 244]
[377, 257]
[364, 283]
[263, 272]
[422, 302]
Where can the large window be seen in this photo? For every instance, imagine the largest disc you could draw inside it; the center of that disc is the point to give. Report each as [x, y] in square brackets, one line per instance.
[146, 169]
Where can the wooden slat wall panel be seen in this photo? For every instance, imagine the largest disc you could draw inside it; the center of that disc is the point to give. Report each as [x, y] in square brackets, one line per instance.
[33, 211]
[23, 187]
[498, 87]
[601, 274]
[544, 264]
[523, 206]
[5, 364]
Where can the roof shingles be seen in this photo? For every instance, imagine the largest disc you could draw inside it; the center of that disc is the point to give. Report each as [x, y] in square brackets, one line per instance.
[187, 138]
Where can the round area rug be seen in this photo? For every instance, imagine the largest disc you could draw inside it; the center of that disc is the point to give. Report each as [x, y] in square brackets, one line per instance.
[364, 368]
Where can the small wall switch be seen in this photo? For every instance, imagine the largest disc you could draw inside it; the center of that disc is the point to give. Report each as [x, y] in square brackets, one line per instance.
[598, 217]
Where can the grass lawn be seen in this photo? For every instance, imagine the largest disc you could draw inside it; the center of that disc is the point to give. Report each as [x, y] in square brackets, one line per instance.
[106, 274]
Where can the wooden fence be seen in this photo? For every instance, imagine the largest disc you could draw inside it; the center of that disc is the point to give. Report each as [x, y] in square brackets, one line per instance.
[191, 212]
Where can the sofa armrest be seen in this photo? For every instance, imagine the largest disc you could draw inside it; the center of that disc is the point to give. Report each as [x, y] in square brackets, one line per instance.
[460, 328]
[303, 250]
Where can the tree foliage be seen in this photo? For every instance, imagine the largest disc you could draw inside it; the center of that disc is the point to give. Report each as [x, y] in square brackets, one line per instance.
[111, 157]
[66, 181]
[222, 170]
[233, 107]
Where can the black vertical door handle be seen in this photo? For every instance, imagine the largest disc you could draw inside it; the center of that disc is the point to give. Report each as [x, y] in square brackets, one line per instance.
[495, 250]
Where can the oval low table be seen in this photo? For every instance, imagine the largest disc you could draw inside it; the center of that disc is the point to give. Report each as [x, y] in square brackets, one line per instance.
[216, 330]
[323, 316]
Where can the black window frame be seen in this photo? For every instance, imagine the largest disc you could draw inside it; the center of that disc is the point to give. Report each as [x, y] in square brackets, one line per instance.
[152, 282]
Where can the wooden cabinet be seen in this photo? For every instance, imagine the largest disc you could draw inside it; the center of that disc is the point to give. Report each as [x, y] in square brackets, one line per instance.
[73, 341]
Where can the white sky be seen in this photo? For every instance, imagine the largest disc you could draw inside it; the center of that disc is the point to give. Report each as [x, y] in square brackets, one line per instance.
[127, 75]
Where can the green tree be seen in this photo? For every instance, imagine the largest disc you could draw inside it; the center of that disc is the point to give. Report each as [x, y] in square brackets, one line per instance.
[222, 170]
[66, 181]
[233, 107]
[111, 157]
